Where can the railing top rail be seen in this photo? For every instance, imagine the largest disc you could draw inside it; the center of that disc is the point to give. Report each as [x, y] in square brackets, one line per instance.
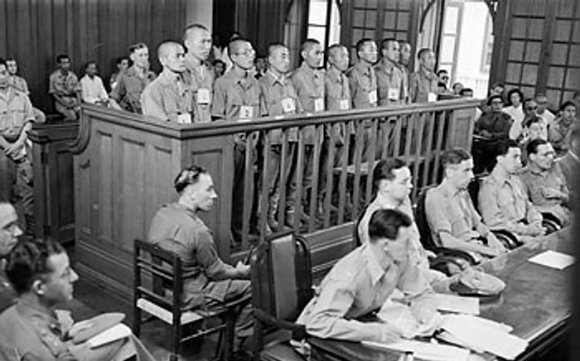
[187, 131]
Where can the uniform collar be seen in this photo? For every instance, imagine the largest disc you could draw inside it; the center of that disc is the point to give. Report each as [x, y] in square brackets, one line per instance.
[363, 67]
[387, 66]
[273, 78]
[448, 190]
[335, 74]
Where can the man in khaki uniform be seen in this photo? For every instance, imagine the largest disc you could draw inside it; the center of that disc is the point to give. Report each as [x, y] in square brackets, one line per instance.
[65, 88]
[423, 82]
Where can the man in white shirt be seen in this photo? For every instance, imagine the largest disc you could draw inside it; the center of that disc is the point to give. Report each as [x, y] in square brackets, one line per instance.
[92, 88]
[543, 111]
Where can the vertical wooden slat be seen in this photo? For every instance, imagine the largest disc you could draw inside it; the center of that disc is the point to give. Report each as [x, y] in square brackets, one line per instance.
[264, 201]
[315, 158]
[331, 154]
[370, 161]
[248, 190]
[429, 153]
[418, 160]
[342, 191]
[439, 145]
[398, 126]
[4, 27]
[299, 180]
[284, 181]
[410, 125]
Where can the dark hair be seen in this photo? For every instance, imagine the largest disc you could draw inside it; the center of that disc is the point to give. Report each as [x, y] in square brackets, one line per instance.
[504, 146]
[89, 63]
[513, 91]
[231, 46]
[532, 147]
[60, 57]
[495, 85]
[187, 176]
[385, 42]
[385, 223]
[306, 43]
[566, 104]
[422, 52]
[10, 59]
[133, 48]
[3, 62]
[532, 119]
[492, 97]
[463, 91]
[441, 71]
[121, 58]
[454, 156]
[384, 170]
[361, 43]
[28, 261]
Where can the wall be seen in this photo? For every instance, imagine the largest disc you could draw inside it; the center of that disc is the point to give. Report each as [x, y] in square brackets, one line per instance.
[199, 11]
[35, 31]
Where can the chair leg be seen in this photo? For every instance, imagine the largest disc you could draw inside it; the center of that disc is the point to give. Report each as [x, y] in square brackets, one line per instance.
[175, 341]
[229, 334]
[136, 320]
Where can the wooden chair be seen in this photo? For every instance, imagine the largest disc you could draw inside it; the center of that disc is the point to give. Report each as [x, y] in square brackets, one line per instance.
[281, 287]
[158, 290]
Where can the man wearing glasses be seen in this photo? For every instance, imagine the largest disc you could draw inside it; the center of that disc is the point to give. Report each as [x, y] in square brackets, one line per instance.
[236, 98]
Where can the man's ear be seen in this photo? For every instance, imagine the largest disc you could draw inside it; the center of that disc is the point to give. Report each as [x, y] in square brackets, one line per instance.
[38, 287]
[303, 54]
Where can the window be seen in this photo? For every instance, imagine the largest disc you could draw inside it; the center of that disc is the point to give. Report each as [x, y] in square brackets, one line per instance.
[487, 45]
[323, 25]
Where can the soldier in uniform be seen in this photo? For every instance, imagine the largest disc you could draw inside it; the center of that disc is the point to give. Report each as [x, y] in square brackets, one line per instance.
[65, 88]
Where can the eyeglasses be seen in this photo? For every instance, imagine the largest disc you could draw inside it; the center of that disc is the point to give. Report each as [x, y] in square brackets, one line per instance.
[498, 102]
[247, 52]
[532, 108]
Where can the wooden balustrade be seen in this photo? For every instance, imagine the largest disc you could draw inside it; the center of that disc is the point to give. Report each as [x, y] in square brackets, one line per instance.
[124, 166]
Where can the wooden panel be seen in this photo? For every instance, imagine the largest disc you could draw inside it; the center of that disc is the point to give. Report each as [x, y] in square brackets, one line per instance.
[84, 29]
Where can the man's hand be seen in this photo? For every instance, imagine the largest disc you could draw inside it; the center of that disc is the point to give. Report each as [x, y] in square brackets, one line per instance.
[424, 310]
[485, 133]
[243, 269]
[13, 150]
[495, 244]
[551, 193]
[79, 326]
[390, 333]
[536, 229]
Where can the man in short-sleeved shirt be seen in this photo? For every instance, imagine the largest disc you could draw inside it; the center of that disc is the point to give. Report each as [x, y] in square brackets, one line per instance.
[168, 97]
[16, 118]
[545, 185]
[199, 74]
[423, 82]
[503, 201]
[177, 227]
[126, 95]
[64, 87]
[237, 98]
[452, 218]
[20, 83]
[92, 87]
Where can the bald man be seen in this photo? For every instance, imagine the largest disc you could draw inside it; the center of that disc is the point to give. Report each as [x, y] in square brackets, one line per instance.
[168, 97]
[236, 98]
[423, 82]
[199, 74]
[9, 233]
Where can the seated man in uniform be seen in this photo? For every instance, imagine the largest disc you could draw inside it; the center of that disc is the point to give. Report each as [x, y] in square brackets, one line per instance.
[503, 201]
[392, 181]
[452, 218]
[64, 88]
[544, 183]
[177, 227]
[362, 281]
[33, 329]
[9, 233]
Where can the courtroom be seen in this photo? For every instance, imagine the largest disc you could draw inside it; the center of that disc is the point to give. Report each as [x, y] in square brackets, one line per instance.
[300, 180]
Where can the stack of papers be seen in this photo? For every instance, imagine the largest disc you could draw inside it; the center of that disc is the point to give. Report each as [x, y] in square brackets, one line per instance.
[480, 335]
[424, 350]
[456, 304]
[113, 334]
[553, 259]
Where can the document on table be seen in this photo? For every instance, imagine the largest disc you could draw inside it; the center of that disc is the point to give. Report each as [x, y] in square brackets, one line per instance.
[481, 334]
[114, 333]
[553, 259]
[457, 304]
[424, 350]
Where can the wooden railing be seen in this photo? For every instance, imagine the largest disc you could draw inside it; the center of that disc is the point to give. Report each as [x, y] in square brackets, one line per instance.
[124, 166]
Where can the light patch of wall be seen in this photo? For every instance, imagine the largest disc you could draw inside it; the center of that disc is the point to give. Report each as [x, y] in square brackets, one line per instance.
[199, 11]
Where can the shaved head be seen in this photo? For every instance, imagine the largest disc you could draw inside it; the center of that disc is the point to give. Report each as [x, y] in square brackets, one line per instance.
[235, 46]
[167, 48]
[171, 56]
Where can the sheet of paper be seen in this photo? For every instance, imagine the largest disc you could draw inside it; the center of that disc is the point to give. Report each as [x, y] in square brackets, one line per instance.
[481, 334]
[457, 304]
[553, 259]
[424, 350]
[113, 334]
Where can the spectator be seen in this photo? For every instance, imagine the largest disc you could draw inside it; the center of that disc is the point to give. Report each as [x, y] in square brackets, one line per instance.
[452, 218]
[491, 128]
[569, 163]
[497, 89]
[20, 83]
[9, 233]
[503, 201]
[545, 185]
[92, 88]
[126, 95]
[219, 68]
[121, 65]
[167, 97]
[64, 88]
[261, 67]
[33, 328]
[466, 92]
[423, 83]
[530, 111]
[576, 98]
[458, 87]
[543, 110]
[443, 80]
[560, 132]
[405, 58]
[516, 111]
[208, 281]
[533, 129]
[16, 118]
[198, 74]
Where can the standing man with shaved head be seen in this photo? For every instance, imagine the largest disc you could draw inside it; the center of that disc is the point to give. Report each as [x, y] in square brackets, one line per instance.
[199, 74]
[363, 85]
[236, 98]
[168, 97]
[391, 79]
[278, 98]
[308, 80]
[423, 82]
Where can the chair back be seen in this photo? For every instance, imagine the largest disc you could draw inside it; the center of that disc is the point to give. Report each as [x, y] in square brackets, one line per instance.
[281, 276]
[422, 224]
[156, 270]
[358, 240]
